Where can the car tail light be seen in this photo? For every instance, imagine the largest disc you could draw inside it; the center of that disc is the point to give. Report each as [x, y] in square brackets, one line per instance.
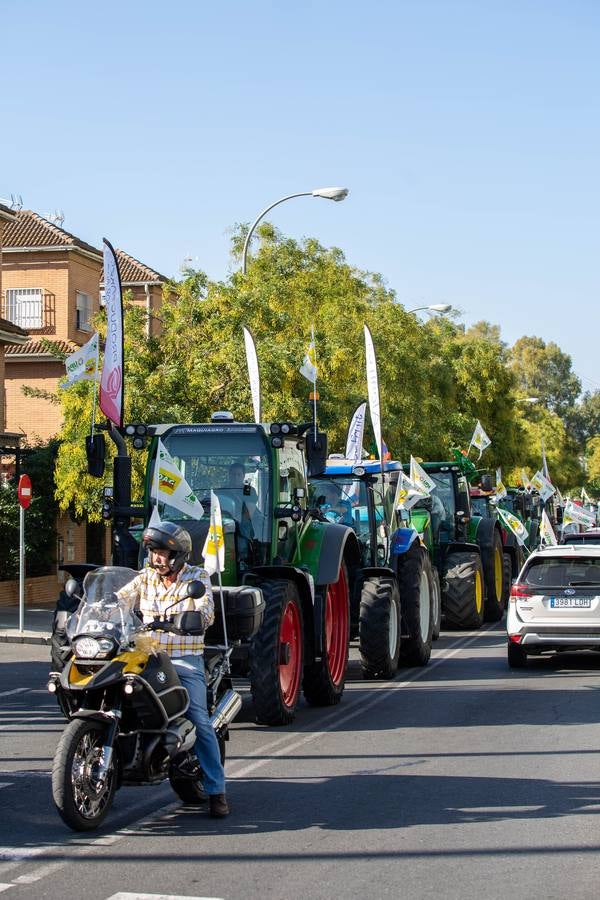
[515, 638]
[520, 590]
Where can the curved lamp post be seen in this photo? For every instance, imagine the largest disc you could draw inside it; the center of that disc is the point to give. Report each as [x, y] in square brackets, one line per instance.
[435, 307]
[331, 193]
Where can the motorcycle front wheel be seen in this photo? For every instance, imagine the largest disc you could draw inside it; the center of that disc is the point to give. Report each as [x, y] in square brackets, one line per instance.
[80, 798]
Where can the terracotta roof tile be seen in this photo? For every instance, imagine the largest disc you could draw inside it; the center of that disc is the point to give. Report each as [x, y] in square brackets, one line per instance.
[31, 230]
[133, 271]
[38, 347]
[5, 325]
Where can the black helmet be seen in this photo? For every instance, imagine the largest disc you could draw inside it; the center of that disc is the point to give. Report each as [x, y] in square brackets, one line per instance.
[169, 536]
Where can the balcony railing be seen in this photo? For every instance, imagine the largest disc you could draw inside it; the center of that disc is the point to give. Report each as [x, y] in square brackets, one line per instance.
[32, 309]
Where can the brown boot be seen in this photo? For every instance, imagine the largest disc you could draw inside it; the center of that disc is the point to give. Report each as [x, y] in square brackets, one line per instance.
[217, 806]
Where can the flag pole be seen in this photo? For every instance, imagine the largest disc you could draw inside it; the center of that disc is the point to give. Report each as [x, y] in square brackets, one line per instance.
[215, 537]
[95, 393]
[312, 337]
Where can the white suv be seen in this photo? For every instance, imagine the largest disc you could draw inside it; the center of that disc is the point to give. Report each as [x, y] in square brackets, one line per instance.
[555, 603]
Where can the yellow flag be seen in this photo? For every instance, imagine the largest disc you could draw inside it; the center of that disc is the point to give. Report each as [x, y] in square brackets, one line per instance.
[214, 545]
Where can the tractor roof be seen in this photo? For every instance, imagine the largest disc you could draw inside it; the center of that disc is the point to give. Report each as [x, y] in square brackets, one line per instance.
[370, 466]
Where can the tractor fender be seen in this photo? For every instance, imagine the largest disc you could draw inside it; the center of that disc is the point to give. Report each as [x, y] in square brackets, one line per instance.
[339, 544]
[485, 532]
[300, 577]
[402, 540]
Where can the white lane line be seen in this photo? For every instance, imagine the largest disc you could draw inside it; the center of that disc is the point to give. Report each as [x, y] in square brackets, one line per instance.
[15, 691]
[38, 874]
[122, 895]
[5, 783]
[5, 887]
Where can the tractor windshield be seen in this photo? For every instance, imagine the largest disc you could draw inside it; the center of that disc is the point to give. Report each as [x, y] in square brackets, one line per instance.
[235, 464]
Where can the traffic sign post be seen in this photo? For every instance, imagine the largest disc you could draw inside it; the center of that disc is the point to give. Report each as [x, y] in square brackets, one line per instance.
[24, 495]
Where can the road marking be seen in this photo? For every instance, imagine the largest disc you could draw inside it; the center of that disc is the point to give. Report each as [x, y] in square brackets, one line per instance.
[38, 874]
[5, 887]
[15, 691]
[5, 783]
[122, 895]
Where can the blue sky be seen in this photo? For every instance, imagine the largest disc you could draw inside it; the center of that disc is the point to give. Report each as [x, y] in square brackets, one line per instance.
[467, 132]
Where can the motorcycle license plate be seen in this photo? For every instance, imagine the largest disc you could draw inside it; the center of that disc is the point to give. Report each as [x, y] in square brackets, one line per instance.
[570, 602]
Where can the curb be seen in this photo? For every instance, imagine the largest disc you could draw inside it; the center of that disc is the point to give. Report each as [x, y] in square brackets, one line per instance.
[24, 637]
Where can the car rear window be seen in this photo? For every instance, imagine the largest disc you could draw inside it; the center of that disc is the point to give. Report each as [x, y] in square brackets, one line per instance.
[563, 571]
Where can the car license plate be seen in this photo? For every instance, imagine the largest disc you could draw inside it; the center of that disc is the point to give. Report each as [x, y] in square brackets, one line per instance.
[570, 602]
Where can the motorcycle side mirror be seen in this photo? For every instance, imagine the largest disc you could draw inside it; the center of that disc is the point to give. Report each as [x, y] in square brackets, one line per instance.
[195, 590]
[71, 588]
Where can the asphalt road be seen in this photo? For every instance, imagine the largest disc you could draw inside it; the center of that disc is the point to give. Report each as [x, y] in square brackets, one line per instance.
[460, 780]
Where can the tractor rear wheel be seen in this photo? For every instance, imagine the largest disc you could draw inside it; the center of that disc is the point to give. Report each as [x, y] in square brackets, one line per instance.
[379, 627]
[414, 575]
[324, 680]
[463, 596]
[492, 558]
[277, 654]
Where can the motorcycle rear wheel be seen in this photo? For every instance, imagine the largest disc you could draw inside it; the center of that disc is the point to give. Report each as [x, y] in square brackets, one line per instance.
[80, 801]
[191, 792]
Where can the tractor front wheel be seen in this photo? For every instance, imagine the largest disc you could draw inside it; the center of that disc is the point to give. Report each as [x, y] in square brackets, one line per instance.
[379, 627]
[277, 655]
[463, 597]
[414, 575]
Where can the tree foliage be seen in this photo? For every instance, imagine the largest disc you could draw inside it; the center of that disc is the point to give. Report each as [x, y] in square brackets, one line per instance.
[40, 517]
[436, 378]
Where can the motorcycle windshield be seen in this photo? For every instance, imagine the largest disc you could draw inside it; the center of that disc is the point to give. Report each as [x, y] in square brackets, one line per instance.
[101, 611]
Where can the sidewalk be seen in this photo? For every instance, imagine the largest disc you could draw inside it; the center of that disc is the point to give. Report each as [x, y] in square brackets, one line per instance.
[37, 625]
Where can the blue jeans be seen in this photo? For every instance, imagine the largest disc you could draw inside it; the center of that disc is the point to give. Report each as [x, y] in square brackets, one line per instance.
[190, 669]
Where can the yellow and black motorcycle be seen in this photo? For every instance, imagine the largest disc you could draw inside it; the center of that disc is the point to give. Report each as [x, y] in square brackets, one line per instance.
[126, 704]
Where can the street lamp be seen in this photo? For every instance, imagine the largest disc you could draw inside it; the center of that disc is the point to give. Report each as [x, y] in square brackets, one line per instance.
[435, 307]
[528, 400]
[332, 193]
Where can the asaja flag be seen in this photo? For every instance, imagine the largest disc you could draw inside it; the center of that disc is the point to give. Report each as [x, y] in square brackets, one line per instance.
[577, 514]
[420, 477]
[547, 536]
[479, 439]
[407, 493]
[214, 545]
[515, 525]
[83, 364]
[544, 488]
[501, 491]
[586, 497]
[309, 366]
[354, 439]
[171, 488]
[112, 383]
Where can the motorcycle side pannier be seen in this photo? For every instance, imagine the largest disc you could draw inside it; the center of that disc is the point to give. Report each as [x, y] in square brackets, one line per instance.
[244, 608]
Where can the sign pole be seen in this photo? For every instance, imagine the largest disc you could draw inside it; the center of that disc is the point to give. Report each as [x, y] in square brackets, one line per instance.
[24, 496]
[21, 568]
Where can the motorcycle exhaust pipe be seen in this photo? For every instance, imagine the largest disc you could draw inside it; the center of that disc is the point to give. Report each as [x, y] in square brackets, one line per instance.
[226, 710]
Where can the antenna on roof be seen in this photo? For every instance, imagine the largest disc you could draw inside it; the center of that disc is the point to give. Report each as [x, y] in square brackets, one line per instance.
[16, 201]
[57, 217]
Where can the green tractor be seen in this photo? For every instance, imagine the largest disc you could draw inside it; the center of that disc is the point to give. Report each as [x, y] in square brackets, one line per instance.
[273, 542]
[466, 548]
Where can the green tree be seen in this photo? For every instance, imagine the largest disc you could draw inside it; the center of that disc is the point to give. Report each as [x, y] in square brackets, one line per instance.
[40, 517]
[544, 371]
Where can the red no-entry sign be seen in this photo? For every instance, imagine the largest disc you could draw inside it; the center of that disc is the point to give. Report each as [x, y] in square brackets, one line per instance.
[24, 491]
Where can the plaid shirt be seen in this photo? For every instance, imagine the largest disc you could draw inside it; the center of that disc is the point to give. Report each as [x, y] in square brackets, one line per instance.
[148, 594]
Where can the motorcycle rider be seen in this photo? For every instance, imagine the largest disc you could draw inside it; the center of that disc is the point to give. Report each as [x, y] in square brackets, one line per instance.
[154, 589]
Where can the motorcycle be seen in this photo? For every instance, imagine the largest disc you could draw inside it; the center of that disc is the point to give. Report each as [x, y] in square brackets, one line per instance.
[125, 702]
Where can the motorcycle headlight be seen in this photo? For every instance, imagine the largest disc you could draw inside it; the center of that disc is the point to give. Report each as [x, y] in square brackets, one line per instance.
[93, 648]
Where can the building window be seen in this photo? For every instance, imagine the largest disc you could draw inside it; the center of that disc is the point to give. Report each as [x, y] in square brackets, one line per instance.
[24, 307]
[84, 311]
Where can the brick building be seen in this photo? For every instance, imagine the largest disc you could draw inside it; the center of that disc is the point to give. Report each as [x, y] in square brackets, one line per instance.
[50, 288]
